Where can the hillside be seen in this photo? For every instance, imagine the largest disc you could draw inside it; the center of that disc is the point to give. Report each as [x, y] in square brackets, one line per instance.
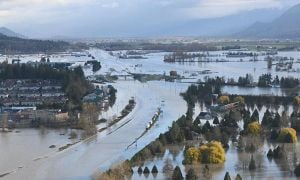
[26, 46]
[7, 32]
[286, 26]
[19, 45]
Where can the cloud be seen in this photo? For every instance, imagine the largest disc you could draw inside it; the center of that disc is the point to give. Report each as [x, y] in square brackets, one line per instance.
[218, 8]
[110, 5]
[109, 17]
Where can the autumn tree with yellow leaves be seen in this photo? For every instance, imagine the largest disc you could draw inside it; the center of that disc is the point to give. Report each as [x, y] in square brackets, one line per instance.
[287, 135]
[210, 153]
[254, 128]
[223, 100]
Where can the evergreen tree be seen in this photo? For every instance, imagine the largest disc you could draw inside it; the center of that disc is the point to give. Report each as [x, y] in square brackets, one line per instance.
[140, 170]
[191, 175]
[146, 170]
[254, 116]
[297, 170]
[238, 177]
[216, 120]
[154, 170]
[252, 165]
[177, 175]
[227, 176]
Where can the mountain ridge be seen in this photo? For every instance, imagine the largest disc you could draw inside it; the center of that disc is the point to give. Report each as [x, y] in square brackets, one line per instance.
[10, 33]
[285, 26]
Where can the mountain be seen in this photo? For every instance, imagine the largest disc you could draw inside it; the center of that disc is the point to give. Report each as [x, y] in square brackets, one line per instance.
[223, 26]
[7, 32]
[285, 26]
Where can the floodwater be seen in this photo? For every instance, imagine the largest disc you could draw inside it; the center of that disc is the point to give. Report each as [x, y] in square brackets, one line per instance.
[100, 152]
[266, 168]
[24, 146]
[27, 153]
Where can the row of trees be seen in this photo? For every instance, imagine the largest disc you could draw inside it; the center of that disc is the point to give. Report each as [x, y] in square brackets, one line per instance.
[266, 80]
[171, 47]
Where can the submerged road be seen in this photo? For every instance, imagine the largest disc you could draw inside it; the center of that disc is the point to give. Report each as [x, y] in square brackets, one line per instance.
[100, 152]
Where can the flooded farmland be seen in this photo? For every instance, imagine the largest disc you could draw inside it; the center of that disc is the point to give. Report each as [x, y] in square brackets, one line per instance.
[40, 160]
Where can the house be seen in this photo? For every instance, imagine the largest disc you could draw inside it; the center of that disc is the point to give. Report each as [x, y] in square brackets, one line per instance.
[4, 95]
[16, 61]
[62, 116]
[95, 97]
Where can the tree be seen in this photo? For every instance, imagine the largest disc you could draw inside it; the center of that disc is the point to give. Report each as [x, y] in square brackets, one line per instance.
[4, 121]
[238, 177]
[88, 118]
[264, 80]
[146, 170]
[192, 155]
[276, 121]
[284, 119]
[287, 135]
[254, 128]
[297, 101]
[177, 175]
[216, 120]
[252, 165]
[279, 153]
[227, 176]
[239, 99]
[210, 153]
[267, 119]
[270, 153]
[175, 134]
[191, 175]
[154, 170]
[297, 170]
[140, 170]
[254, 116]
[223, 100]
[241, 144]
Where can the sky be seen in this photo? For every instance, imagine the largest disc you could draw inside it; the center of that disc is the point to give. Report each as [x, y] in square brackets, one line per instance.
[109, 18]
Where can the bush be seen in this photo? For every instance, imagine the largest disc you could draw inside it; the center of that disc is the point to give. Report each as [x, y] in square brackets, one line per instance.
[254, 128]
[287, 135]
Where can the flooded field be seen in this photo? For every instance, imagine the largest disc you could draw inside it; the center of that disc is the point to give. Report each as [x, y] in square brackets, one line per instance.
[27, 153]
[268, 169]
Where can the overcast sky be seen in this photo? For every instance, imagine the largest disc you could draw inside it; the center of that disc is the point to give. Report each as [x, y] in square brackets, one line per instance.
[88, 18]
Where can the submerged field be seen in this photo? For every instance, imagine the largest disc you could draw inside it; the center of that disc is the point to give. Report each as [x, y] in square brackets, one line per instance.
[110, 147]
